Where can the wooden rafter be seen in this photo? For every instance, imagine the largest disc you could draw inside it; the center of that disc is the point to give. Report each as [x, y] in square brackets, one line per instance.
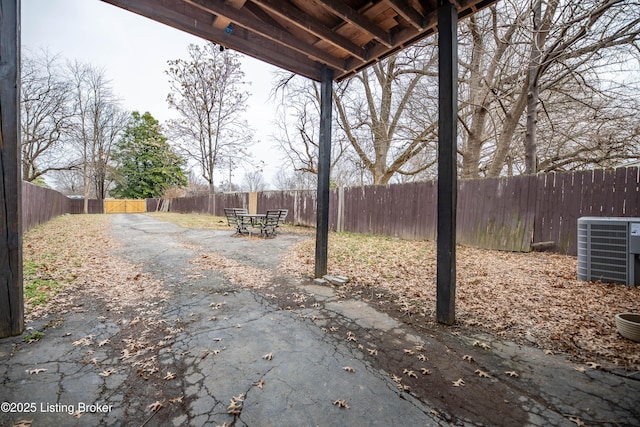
[407, 12]
[304, 36]
[296, 17]
[220, 9]
[345, 12]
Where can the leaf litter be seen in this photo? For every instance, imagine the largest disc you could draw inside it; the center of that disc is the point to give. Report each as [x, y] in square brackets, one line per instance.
[532, 298]
[77, 251]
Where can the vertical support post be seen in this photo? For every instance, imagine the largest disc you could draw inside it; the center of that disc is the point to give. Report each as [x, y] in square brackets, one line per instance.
[447, 162]
[11, 293]
[324, 165]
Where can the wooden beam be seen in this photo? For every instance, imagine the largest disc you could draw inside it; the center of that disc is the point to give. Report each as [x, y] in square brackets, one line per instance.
[345, 12]
[324, 169]
[195, 21]
[447, 161]
[277, 35]
[406, 37]
[405, 10]
[11, 292]
[296, 17]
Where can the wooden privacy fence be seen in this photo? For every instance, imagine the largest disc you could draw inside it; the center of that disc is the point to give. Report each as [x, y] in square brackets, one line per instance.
[39, 205]
[496, 213]
[493, 213]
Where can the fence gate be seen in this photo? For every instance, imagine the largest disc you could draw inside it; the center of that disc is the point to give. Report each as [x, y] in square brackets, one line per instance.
[125, 206]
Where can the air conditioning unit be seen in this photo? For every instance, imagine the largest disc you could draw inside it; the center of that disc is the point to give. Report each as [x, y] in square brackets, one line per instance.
[609, 250]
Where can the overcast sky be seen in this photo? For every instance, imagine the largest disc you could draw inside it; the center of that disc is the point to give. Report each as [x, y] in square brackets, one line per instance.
[134, 52]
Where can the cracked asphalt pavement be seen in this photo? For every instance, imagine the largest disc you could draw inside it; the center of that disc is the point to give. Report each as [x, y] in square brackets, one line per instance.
[292, 353]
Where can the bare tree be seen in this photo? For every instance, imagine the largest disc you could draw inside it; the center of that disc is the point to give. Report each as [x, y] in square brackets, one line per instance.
[46, 115]
[254, 181]
[208, 92]
[98, 123]
[509, 61]
[68, 182]
[388, 112]
[298, 124]
[285, 179]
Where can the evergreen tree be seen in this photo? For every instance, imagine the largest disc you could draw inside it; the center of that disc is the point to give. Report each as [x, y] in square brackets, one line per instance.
[146, 163]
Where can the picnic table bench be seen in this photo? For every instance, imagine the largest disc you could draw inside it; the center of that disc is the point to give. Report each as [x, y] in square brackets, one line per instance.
[265, 224]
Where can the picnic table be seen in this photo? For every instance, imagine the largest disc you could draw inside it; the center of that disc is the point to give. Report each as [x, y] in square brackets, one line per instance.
[265, 224]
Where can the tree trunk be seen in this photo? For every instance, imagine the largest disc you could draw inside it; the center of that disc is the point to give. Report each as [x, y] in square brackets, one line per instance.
[530, 147]
[506, 135]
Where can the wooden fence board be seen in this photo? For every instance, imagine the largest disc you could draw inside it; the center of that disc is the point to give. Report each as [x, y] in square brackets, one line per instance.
[632, 204]
[39, 205]
[619, 191]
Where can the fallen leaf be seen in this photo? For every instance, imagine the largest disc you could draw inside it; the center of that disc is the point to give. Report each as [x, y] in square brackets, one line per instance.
[580, 368]
[594, 365]
[36, 371]
[422, 357]
[425, 371]
[234, 408]
[482, 374]
[176, 399]
[468, 358]
[259, 384]
[348, 369]
[155, 406]
[409, 352]
[410, 373]
[235, 405]
[458, 383]
[170, 375]
[23, 423]
[482, 345]
[512, 374]
[373, 351]
[341, 403]
[577, 421]
[268, 356]
[107, 372]
[396, 378]
[103, 342]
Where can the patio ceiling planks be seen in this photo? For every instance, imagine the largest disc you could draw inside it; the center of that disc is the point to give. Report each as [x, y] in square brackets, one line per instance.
[302, 36]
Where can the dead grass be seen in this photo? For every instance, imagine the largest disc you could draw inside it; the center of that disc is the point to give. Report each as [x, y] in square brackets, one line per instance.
[193, 220]
[527, 297]
[74, 252]
[209, 222]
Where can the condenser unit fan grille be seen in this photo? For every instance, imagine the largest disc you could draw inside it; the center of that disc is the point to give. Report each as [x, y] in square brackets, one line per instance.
[602, 252]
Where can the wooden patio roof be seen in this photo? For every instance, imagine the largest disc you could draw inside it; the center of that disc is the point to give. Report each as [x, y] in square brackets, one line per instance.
[303, 36]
